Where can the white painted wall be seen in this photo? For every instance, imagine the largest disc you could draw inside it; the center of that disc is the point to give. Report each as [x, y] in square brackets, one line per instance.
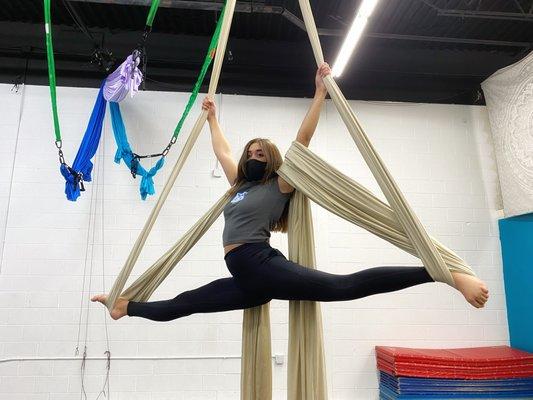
[440, 155]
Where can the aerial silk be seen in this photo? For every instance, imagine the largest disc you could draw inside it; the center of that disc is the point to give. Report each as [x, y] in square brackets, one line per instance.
[126, 79]
[124, 153]
[82, 165]
[318, 181]
[341, 195]
[314, 179]
[123, 80]
[186, 150]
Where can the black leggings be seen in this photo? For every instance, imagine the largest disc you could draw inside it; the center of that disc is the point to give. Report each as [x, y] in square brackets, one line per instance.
[262, 273]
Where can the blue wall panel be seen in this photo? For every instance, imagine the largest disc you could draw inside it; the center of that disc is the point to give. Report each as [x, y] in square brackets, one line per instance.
[516, 236]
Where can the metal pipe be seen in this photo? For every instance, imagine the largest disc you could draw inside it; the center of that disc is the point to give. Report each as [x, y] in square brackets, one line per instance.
[245, 7]
[479, 14]
[448, 40]
[519, 6]
[198, 5]
[486, 15]
[18, 359]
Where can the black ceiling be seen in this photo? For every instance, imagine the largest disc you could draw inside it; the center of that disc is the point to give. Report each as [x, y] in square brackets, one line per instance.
[436, 51]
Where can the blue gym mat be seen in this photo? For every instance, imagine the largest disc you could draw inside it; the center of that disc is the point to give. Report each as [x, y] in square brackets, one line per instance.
[392, 387]
[388, 394]
[431, 384]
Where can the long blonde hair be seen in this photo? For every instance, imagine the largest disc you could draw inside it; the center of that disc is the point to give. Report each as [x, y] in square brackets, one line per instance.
[274, 161]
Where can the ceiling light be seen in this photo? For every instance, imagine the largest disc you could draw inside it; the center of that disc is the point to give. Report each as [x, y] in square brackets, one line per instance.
[353, 36]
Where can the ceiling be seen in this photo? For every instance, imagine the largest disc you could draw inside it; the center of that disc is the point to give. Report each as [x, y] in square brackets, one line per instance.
[433, 51]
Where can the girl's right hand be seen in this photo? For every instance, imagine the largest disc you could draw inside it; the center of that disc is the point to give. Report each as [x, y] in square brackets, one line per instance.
[209, 105]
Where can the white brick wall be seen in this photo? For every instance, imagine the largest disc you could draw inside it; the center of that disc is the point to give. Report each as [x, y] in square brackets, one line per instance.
[440, 155]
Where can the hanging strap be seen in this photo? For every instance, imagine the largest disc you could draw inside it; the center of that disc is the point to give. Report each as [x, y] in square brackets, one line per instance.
[52, 74]
[211, 51]
[140, 51]
[152, 12]
[82, 167]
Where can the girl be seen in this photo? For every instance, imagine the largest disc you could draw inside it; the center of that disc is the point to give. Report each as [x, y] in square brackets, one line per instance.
[260, 273]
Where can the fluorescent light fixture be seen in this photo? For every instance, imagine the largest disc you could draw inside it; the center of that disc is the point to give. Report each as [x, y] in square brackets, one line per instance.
[353, 36]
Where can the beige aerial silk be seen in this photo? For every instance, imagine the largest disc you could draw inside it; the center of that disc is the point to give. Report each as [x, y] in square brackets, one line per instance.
[306, 367]
[313, 179]
[420, 239]
[341, 195]
[191, 140]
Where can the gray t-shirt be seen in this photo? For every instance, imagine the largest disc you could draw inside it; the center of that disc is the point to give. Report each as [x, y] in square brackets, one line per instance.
[253, 211]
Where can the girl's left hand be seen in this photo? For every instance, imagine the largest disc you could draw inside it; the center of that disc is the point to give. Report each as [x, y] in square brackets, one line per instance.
[322, 71]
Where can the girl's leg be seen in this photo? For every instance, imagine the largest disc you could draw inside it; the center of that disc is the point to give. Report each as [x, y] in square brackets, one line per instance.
[279, 278]
[220, 295]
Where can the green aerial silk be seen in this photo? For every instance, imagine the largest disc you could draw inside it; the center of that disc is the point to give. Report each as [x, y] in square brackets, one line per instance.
[51, 61]
[152, 12]
[207, 61]
[51, 67]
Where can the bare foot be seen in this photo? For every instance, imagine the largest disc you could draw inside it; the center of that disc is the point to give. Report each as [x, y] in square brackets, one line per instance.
[474, 289]
[120, 309]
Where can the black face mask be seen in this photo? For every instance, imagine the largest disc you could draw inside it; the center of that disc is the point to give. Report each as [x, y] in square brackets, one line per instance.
[255, 170]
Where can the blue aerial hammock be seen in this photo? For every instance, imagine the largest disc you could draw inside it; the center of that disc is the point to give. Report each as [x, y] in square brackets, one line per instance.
[126, 79]
[124, 153]
[82, 167]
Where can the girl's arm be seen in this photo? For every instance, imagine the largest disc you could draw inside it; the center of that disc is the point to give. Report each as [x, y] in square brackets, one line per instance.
[307, 129]
[221, 146]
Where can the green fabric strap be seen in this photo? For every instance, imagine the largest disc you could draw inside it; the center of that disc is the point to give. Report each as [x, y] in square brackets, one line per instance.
[152, 12]
[51, 66]
[207, 61]
[151, 15]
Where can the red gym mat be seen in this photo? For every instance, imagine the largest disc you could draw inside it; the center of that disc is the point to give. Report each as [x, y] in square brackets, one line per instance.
[496, 362]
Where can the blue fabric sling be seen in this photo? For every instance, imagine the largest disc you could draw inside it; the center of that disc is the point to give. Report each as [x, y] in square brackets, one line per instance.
[125, 153]
[82, 167]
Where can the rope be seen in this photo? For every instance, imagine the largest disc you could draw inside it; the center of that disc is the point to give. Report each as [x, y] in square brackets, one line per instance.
[91, 234]
[104, 310]
[85, 268]
[12, 174]
[93, 218]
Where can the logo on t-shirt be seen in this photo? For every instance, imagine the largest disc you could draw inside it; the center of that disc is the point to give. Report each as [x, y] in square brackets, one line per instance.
[238, 197]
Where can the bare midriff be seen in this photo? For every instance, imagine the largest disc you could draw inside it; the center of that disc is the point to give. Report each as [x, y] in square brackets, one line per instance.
[231, 247]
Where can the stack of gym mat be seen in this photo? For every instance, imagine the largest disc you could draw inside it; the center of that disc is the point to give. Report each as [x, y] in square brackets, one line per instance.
[497, 372]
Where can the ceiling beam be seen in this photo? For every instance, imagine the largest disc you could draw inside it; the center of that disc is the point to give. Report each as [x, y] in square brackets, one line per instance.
[517, 2]
[192, 5]
[262, 8]
[486, 15]
[508, 16]
[240, 7]
[442, 39]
